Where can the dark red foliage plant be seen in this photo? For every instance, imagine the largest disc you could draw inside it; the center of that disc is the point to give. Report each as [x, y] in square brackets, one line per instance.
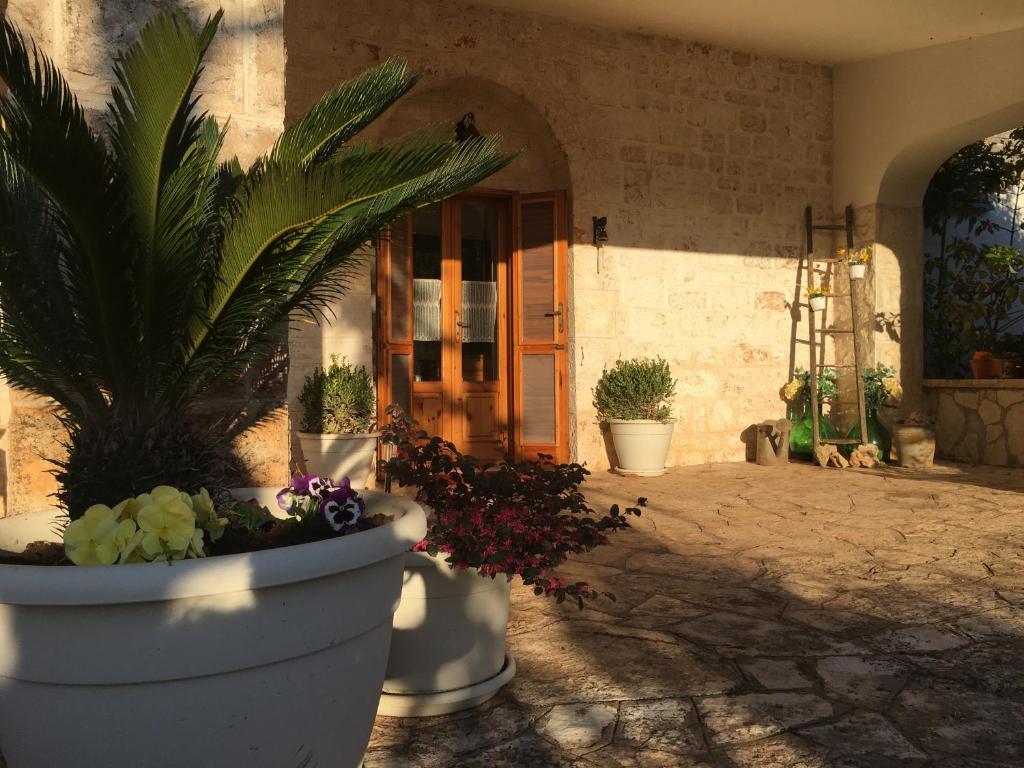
[512, 519]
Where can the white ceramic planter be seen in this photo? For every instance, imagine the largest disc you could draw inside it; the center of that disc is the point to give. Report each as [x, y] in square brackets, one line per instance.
[338, 456]
[641, 445]
[914, 445]
[857, 271]
[448, 647]
[817, 303]
[261, 660]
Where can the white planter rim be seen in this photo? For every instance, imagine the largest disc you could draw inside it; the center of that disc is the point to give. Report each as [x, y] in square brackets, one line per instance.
[338, 435]
[445, 702]
[671, 420]
[147, 582]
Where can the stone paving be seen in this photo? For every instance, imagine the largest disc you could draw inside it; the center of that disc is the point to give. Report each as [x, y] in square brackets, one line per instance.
[787, 617]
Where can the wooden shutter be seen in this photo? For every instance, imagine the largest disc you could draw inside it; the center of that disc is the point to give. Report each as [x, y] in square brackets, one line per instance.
[394, 313]
[540, 326]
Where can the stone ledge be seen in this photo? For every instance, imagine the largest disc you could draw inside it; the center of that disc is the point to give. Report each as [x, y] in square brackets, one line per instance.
[974, 383]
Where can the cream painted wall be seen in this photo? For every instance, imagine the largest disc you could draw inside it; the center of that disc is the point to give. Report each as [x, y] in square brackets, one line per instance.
[897, 118]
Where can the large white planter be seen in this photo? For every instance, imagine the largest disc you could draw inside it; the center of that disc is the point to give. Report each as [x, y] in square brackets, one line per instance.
[261, 660]
[448, 648]
[338, 456]
[641, 445]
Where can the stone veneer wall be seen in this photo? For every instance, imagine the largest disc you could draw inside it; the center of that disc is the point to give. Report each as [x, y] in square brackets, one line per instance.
[243, 80]
[702, 158]
[980, 422]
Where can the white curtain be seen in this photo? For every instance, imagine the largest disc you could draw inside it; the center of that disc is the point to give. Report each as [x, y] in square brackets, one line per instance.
[426, 310]
[479, 310]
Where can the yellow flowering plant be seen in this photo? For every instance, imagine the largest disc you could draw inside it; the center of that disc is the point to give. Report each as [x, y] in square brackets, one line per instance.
[822, 290]
[881, 386]
[164, 524]
[858, 255]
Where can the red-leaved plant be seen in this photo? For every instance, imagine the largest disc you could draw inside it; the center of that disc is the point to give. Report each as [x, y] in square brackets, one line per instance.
[513, 519]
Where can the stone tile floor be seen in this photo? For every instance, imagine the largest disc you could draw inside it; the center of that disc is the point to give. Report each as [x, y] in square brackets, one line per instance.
[790, 617]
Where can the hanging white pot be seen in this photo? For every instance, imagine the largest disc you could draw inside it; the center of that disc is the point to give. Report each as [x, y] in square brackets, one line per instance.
[857, 271]
[267, 659]
[818, 303]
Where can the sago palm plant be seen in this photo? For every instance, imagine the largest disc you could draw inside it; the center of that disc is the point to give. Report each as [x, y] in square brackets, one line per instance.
[137, 267]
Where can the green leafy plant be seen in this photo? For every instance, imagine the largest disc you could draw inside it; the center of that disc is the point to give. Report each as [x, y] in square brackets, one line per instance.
[139, 269]
[635, 389]
[984, 292]
[881, 386]
[338, 400]
[798, 390]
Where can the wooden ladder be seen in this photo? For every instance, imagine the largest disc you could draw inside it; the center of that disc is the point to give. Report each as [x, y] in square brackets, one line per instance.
[813, 272]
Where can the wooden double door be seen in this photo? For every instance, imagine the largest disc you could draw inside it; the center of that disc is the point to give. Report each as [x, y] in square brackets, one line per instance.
[472, 323]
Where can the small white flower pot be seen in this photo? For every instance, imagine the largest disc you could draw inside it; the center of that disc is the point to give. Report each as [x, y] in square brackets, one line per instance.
[818, 303]
[338, 456]
[857, 271]
[448, 647]
[267, 659]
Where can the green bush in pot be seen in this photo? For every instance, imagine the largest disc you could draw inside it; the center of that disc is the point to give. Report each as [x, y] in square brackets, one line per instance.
[634, 399]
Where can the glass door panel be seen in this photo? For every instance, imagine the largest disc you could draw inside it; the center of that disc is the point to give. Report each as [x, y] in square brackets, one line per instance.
[477, 322]
[427, 294]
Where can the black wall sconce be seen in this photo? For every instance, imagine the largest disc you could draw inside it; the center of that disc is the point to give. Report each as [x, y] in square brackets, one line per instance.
[600, 230]
[466, 128]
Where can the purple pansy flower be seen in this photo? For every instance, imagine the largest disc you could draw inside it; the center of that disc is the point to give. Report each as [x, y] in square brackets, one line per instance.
[341, 507]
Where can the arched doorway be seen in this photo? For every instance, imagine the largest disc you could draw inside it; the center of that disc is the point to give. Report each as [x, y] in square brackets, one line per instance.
[472, 293]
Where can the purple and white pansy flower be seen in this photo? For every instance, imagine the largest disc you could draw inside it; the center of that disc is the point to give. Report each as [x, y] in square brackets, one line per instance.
[339, 505]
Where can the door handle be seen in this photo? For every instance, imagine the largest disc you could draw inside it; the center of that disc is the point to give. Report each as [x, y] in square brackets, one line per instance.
[559, 314]
[461, 324]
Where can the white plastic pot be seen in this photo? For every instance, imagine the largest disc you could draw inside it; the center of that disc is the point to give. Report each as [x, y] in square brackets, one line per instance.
[641, 445]
[818, 303]
[448, 647]
[338, 456]
[857, 271]
[259, 660]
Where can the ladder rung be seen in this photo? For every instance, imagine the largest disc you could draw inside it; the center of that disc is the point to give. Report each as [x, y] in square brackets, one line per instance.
[828, 226]
[839, 440]
[827, 260]
[835, 330]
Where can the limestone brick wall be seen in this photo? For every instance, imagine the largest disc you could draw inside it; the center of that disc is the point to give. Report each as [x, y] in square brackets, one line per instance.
[702, 159]
[243, 80]
[980, 422]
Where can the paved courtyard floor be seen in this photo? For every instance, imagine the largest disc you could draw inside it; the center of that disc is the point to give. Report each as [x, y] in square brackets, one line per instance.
[769, 618]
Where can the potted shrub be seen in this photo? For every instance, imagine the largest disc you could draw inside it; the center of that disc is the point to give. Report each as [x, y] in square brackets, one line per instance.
[339, 412]
[797, 393]
[858, 262]
[818, 298]
[136, 273]
[487, 525]
[881, 390]
[915, 441]
[634, 400]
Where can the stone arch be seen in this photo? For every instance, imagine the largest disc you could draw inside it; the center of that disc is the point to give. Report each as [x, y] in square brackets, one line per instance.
[542, 165]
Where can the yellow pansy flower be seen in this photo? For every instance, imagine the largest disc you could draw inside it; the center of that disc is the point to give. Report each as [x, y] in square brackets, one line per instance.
[167, 522]
[206, 515]
[90, 540]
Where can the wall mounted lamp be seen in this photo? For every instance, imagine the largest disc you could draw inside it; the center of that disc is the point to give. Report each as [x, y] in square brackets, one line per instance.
[600, 236]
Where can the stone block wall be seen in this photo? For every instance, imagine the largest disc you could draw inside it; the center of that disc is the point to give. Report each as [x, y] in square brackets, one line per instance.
[979, 422]
[702, 159]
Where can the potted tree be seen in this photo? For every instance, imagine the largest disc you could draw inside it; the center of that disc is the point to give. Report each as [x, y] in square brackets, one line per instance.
[337, 432]
[136, 271]
[634, 400]
[487, 525]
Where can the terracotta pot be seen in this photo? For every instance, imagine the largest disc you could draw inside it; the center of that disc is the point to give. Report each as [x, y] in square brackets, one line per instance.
[915, 445]
[641, 445]
[258, 660]
[448, 647]
[338, 456]
[984, 365]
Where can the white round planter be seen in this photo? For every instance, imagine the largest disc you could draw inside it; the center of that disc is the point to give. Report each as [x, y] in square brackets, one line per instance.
[259, 660]
[857, 271]
[641, 445]
[338, 456]
[818, 303]
[448, 647]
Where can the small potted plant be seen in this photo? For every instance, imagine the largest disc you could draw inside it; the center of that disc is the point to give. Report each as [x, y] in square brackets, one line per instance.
[633, 399]
[915, 441]
[818, 297]
[487, 526]
[797, 393]
[339, 412]
[882, 389]
[858, 261]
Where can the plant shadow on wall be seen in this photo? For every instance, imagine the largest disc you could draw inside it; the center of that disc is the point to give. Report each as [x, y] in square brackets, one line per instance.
[974, 269]
[754, 627]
